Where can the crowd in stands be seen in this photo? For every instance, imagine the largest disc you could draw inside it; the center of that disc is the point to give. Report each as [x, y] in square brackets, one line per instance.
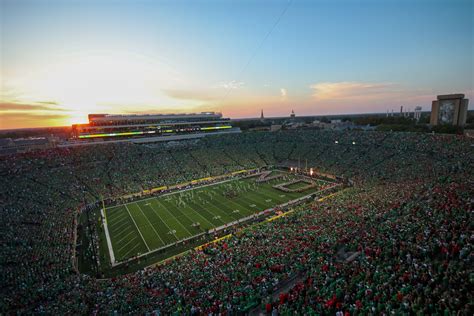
[400, 241]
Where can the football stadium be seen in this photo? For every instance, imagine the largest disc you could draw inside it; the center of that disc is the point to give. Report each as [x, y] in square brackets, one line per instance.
[302, 221]
[234, 158]
[171, 218]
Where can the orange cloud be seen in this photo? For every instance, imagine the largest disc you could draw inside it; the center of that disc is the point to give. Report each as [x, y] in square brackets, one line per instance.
[362, 97]
[352, 90]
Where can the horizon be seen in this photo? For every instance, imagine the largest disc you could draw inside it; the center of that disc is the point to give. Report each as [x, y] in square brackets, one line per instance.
[61, 60]
[231, 118]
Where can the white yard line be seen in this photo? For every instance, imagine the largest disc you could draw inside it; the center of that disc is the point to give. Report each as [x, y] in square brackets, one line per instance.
[164, 223]
[241, 206]
[124, 236]
[197, 212]
[118, 220]
[153, 227]
[128, 252]
[218, 210]
[118, 225]
[215, 228]
[118, 228]
[137, 227]
[126, 244]
[166, 209]
[107, 237]
[232, 213]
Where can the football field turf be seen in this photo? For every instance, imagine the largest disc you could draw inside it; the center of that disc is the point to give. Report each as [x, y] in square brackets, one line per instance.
[146, 225]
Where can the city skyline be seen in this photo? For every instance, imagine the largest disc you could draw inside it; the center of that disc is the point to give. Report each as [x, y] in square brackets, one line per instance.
[61, 60]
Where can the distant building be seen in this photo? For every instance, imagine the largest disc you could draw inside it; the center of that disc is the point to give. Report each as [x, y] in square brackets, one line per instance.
[262, 118]
[292, 115]
[334, 125]
[417, 114]
[449, 109]
[275, 127]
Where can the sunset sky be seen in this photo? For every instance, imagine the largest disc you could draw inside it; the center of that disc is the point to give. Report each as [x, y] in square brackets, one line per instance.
[60, 60]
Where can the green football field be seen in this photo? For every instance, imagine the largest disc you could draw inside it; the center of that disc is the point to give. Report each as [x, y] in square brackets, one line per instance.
[146, 225]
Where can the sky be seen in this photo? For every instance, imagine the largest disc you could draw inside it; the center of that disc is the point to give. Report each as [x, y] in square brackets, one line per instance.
[63, 59]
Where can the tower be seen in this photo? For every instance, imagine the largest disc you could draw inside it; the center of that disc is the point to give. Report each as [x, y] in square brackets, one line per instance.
[292, 115]
[417, 114]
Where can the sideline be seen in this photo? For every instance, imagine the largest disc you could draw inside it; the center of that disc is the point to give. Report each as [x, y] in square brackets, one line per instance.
[107, 237]
[114, 263]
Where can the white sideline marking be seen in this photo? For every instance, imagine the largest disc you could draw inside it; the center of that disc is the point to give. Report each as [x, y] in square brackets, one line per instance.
[107, 237]
[212, 227]
[137, 227]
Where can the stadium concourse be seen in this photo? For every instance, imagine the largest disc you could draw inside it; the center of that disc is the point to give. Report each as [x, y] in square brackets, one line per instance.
[399, 241]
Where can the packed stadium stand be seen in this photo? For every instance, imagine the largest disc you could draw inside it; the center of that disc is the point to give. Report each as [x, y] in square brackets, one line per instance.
[399, 241]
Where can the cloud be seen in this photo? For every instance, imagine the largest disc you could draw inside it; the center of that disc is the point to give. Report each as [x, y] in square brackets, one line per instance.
[43, 106]
[48, 102]
[10, 120]
[230, 85]
[363, 97]
[166, 109]
[352, 90]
